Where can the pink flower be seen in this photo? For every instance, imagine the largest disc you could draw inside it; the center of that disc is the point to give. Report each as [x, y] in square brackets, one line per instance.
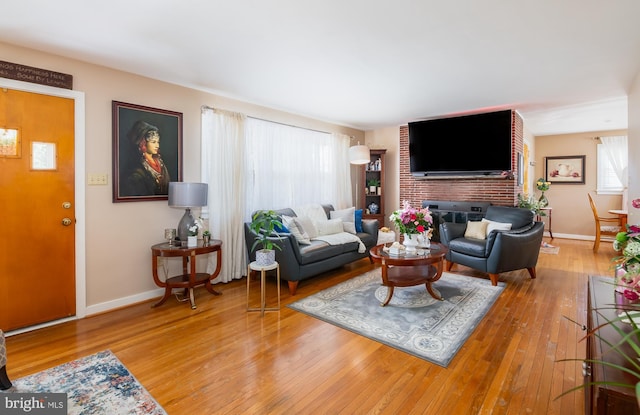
[636, 203]
[631, 295]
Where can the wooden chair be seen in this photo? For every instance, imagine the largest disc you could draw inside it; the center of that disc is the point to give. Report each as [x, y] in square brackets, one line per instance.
[605, 226]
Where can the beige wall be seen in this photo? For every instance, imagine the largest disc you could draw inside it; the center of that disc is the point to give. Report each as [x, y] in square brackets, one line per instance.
[119, 235]
[634, 149]
[572, 215]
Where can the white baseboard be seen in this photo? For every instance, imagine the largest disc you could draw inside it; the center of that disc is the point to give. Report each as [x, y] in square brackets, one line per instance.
[572, 236]
[124, 301]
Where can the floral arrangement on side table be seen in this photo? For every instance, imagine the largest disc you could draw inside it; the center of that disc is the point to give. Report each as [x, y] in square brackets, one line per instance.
[413, 221]
[628, 264]
[543, 186]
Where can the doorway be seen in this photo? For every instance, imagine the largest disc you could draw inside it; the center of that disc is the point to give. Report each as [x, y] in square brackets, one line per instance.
[42, 276]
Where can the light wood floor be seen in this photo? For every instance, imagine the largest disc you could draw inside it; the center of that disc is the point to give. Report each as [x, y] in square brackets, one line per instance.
[219, 359]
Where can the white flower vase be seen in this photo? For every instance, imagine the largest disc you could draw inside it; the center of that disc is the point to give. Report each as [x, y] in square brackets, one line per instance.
[192, 241]
[423, 240]
[410, 243]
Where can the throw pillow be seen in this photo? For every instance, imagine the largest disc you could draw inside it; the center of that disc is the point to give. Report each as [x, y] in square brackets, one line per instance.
[358, 215]
[329, 227]
[300, 235]
[476, 230]
[307, 225]
[500, 226]
[348, 218]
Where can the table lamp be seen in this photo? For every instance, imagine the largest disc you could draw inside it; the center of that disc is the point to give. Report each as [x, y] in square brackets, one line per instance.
[187, 196]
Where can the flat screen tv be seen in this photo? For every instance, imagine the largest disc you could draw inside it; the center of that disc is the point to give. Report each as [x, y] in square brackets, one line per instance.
[471, 145]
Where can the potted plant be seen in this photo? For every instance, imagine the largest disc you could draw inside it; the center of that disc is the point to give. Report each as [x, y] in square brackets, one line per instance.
[529, 202]
[206, 237]
[265, 224]
[373, 184]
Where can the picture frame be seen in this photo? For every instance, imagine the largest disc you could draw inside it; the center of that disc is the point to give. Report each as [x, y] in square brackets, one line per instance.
[565, 169]
[147, 152]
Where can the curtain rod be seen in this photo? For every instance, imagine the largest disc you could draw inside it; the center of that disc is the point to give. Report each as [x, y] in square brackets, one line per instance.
[275, 122]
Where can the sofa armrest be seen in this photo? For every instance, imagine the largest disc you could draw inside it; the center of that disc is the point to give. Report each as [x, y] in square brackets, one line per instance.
[450, 231]
[371, 227]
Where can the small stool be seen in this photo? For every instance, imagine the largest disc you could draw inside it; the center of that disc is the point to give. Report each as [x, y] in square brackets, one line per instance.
[254, 266]
[5, 383]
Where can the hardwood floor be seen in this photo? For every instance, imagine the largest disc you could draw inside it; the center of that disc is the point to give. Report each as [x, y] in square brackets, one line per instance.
[219, 359]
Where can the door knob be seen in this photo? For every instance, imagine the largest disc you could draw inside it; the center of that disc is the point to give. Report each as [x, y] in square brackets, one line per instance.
[66, 221]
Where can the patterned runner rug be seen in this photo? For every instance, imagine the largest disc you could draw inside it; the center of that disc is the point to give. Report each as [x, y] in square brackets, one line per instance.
[413, 321]
[96, 384]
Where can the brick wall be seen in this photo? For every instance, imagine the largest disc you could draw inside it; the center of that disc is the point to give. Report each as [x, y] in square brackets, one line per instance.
[498, 191]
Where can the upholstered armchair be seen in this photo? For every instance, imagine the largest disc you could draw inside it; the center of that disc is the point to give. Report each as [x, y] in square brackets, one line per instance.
[506, 239]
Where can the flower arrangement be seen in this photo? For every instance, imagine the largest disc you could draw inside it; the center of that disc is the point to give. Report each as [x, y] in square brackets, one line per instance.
[542, 184]
[628, 264]
[412, 221]
[193, 229]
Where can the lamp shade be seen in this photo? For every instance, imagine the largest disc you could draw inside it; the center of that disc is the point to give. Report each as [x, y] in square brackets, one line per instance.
[187, 195]
[359, 154]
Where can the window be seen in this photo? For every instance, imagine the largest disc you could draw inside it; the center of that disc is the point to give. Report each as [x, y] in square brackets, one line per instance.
[608, 181]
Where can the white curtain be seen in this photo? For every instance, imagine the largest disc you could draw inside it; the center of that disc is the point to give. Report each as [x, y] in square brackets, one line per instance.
[288, 166]
[222, 160]
[616, 149]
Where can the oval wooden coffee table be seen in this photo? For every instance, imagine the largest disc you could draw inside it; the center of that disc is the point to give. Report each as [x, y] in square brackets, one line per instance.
[409, 270]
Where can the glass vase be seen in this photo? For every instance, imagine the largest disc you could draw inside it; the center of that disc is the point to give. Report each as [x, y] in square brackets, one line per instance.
[543, 202]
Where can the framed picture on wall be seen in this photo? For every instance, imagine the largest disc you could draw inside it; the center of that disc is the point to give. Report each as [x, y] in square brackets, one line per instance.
[565, 169]
[147, 152]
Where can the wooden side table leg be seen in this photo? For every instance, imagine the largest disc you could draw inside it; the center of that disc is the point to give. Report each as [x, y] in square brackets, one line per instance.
[278, 284]
[248, 283]
[263, 291]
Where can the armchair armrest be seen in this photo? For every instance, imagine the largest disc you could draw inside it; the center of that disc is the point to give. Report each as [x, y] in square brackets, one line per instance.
[450, 231]
[515, 249]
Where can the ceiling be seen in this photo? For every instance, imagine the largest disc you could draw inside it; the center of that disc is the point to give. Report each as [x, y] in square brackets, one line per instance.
[566, 66]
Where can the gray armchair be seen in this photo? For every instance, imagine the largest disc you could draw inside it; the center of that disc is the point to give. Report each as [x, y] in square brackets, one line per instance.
[501, 250]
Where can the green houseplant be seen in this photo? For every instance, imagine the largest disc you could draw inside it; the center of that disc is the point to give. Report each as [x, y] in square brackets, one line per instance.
[265, 224]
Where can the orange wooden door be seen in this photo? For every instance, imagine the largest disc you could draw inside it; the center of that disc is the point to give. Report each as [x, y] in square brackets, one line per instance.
[37, 254]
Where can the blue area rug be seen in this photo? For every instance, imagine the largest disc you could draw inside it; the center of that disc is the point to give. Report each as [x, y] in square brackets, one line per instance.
[413, 321]
[96, 384]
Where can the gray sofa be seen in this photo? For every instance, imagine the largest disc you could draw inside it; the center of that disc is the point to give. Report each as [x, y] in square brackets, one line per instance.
[299, 262]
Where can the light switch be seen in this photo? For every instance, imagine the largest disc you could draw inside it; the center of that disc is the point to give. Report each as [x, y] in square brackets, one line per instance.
[98, 179]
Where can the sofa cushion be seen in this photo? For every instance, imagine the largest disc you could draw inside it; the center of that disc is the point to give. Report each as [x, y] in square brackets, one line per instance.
[468, 246]
[306, 225]
[329, 227]
[358, 216]
[499, 226]
[317, 251]
[291, 224]
[348, 217]
[476, 230]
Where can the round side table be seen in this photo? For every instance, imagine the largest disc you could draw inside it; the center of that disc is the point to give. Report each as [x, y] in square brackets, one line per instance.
[254, 266]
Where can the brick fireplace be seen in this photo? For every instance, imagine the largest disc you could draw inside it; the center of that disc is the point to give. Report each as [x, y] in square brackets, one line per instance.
[498, 191]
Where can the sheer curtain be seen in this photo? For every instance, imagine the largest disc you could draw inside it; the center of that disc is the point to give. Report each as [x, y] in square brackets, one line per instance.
[222, 161]
[616, 148]
[288, 166]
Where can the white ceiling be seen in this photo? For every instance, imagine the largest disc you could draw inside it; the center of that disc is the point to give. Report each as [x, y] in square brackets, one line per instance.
[566, 65]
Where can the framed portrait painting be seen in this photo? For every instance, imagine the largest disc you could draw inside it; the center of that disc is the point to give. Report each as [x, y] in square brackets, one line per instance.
[565, 169]
[147, 152]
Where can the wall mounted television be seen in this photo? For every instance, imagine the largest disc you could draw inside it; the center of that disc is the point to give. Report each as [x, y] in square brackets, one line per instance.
[471, 145]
